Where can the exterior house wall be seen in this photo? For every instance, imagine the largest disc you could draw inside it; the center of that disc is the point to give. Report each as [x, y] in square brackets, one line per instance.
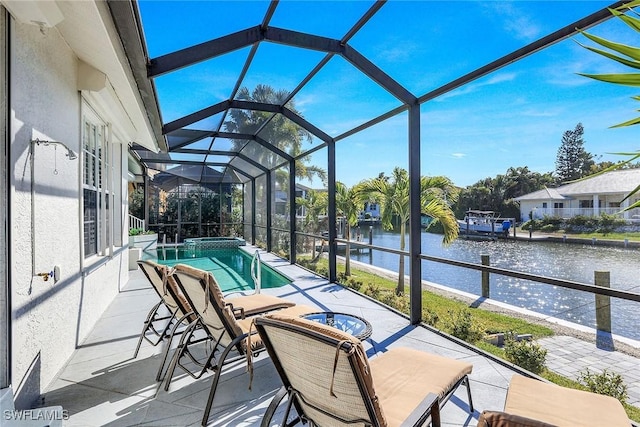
[528, 206]
[50, 319]
[606, 203]
[4, 203]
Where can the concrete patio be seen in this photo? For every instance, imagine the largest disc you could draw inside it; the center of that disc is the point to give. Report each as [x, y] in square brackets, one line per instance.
[102, 385]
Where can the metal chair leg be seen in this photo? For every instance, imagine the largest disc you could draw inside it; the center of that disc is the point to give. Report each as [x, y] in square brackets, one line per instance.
[159, 376]
[178, 353]
[468, 384]
[216, 377]
[145, 326]
[273, 406]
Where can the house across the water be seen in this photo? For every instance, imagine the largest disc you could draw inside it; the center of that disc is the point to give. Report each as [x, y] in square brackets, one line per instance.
[589, 197]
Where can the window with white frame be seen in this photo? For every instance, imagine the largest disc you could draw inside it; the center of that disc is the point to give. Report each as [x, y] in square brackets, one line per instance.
[98, 197]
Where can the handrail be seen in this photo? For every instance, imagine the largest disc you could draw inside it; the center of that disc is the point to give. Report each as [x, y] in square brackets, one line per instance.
[568, 284]
[256, 271]
[135, 222]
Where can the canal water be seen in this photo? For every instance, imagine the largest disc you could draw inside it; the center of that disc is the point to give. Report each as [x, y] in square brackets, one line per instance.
[557, 260]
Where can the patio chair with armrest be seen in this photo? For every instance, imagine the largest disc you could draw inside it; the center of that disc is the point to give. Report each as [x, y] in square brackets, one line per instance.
[182, 313]
[170, 297]
[534, 403]
[217, 319]
[343, 388]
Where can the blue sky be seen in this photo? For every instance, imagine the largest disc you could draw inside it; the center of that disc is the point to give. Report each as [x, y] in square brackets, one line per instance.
[513, 117]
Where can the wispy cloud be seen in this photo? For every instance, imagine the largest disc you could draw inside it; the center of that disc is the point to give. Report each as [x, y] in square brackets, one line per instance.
[515, 21]
[458, 155]
[474, 87]
[397, 51]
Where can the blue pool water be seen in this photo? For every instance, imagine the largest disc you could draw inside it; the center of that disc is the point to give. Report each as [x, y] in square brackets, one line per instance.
[230, 266]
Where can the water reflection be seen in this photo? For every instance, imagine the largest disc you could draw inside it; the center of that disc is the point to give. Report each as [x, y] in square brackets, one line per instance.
[562, 261]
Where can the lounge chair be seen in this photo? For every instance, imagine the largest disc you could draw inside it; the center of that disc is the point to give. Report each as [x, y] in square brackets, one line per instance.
[343, 388]
[534, 403]
[181, 311]
[170, 298]
[217, 319]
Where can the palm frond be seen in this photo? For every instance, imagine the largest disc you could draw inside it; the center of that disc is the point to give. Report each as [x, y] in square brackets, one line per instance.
[629, 79]
[627, 123]
[631, 193]
[629, 20]
[440, 211]
[629, 51]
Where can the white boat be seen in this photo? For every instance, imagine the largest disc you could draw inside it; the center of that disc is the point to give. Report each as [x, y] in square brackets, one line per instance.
[485, 222]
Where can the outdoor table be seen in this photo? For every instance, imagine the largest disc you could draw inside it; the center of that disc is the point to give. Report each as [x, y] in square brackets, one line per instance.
[354, 325]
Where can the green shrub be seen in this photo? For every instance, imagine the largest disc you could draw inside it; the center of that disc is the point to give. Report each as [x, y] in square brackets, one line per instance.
[607, 382]
[607, 223]
[429, 317]
[399, 302]
[353, 284]
[582, 221]
[139, 231]
[526, 354]
[461, 324]
[552, 220]
[549, 228]
[372, 290]
[533, 225]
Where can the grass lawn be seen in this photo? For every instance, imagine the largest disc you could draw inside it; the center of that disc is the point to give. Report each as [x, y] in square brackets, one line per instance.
[435, 306]
[445, 314]
[632, 237]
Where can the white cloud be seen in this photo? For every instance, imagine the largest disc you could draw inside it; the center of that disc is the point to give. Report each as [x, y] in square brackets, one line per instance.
[514, 21]
[458, 155]
[474, 87]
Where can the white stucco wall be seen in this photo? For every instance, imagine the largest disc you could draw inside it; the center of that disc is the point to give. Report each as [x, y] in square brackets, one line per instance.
[4, 290]
[49, 319]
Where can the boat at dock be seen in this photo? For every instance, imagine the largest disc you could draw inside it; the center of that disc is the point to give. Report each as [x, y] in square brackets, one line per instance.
[485, 222]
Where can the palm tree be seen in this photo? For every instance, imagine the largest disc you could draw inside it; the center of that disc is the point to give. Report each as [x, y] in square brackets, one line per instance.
[348, 205]
[280, 132]
[436, 195]
[315, 203]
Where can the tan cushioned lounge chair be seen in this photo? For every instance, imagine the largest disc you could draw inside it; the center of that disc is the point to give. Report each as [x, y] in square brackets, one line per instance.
[171, 298]
[218, 320]
[534, 403]
[343, 388]
[242, 306]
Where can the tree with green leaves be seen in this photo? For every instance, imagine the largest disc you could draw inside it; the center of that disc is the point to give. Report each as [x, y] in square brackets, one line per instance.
[136, 202]
[573, 161]
[497, 194]
[276, 129]
[315, 204]
[348, 205]
[436, 196]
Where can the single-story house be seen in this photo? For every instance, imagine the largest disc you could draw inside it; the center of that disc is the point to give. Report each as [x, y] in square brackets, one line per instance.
[591, 196]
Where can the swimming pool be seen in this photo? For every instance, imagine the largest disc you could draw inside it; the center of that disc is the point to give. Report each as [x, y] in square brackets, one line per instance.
[230, 266]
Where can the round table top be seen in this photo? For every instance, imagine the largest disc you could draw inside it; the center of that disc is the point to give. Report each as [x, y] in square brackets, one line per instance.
[349, 323]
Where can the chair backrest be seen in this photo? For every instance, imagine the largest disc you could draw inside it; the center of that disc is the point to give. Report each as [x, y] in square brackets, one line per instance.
[204, 295]
[327, 369]
[167, 289]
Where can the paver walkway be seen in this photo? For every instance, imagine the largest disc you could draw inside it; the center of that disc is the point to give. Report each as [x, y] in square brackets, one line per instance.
[569, 356]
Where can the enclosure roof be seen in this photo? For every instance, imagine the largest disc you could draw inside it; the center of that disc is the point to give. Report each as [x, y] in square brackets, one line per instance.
[212, 71]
